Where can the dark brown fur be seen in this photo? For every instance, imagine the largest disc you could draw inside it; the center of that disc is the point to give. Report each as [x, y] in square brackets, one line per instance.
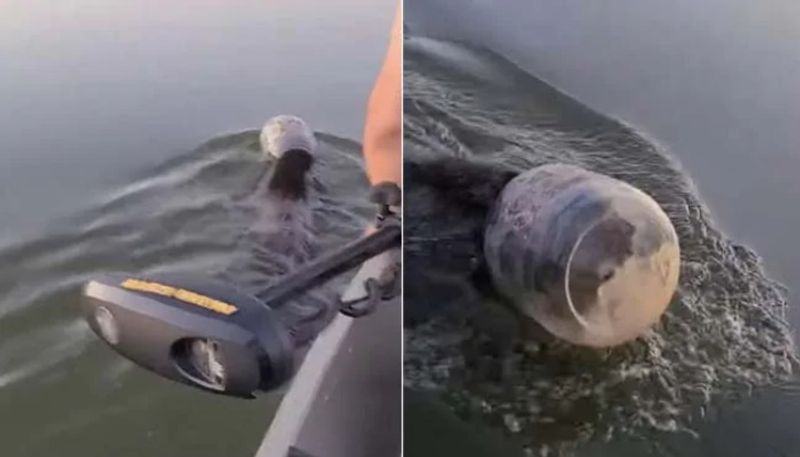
[461, 181]
[288, 179]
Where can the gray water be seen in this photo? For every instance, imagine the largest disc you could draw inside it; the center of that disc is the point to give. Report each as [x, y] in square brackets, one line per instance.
[91, 91]
[717, 82]
[128, 142]
[708, 381]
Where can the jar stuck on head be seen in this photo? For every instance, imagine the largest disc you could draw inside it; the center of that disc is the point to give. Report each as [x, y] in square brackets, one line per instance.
[592, 259]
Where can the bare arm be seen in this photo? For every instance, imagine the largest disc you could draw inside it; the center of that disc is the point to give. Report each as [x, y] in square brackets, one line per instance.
[383, 126]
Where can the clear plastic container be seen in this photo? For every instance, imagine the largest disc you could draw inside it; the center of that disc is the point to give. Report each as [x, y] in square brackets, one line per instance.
[592, 259]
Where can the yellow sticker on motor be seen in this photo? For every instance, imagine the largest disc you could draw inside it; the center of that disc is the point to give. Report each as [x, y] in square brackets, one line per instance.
[186, 296]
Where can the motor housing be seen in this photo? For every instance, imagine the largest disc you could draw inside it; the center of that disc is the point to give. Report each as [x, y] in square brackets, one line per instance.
[199, 332]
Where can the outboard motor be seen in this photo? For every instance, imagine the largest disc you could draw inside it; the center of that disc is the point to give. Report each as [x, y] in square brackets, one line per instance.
[208, 334]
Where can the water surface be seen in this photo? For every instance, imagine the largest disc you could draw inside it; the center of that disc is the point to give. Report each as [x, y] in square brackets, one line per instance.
[128, 142]
[726, 337]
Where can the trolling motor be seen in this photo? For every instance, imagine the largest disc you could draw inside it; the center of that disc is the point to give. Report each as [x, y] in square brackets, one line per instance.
[208, 334]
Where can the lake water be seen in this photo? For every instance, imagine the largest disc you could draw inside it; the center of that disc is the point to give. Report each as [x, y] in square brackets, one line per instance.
[708, 99]
[128, 141]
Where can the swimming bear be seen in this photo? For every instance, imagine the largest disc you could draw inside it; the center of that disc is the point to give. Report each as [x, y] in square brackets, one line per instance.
[284, 236]
[591, 259]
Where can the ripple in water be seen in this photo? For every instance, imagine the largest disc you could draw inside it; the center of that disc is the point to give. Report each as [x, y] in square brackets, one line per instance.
[202, 212]
[725, 332]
